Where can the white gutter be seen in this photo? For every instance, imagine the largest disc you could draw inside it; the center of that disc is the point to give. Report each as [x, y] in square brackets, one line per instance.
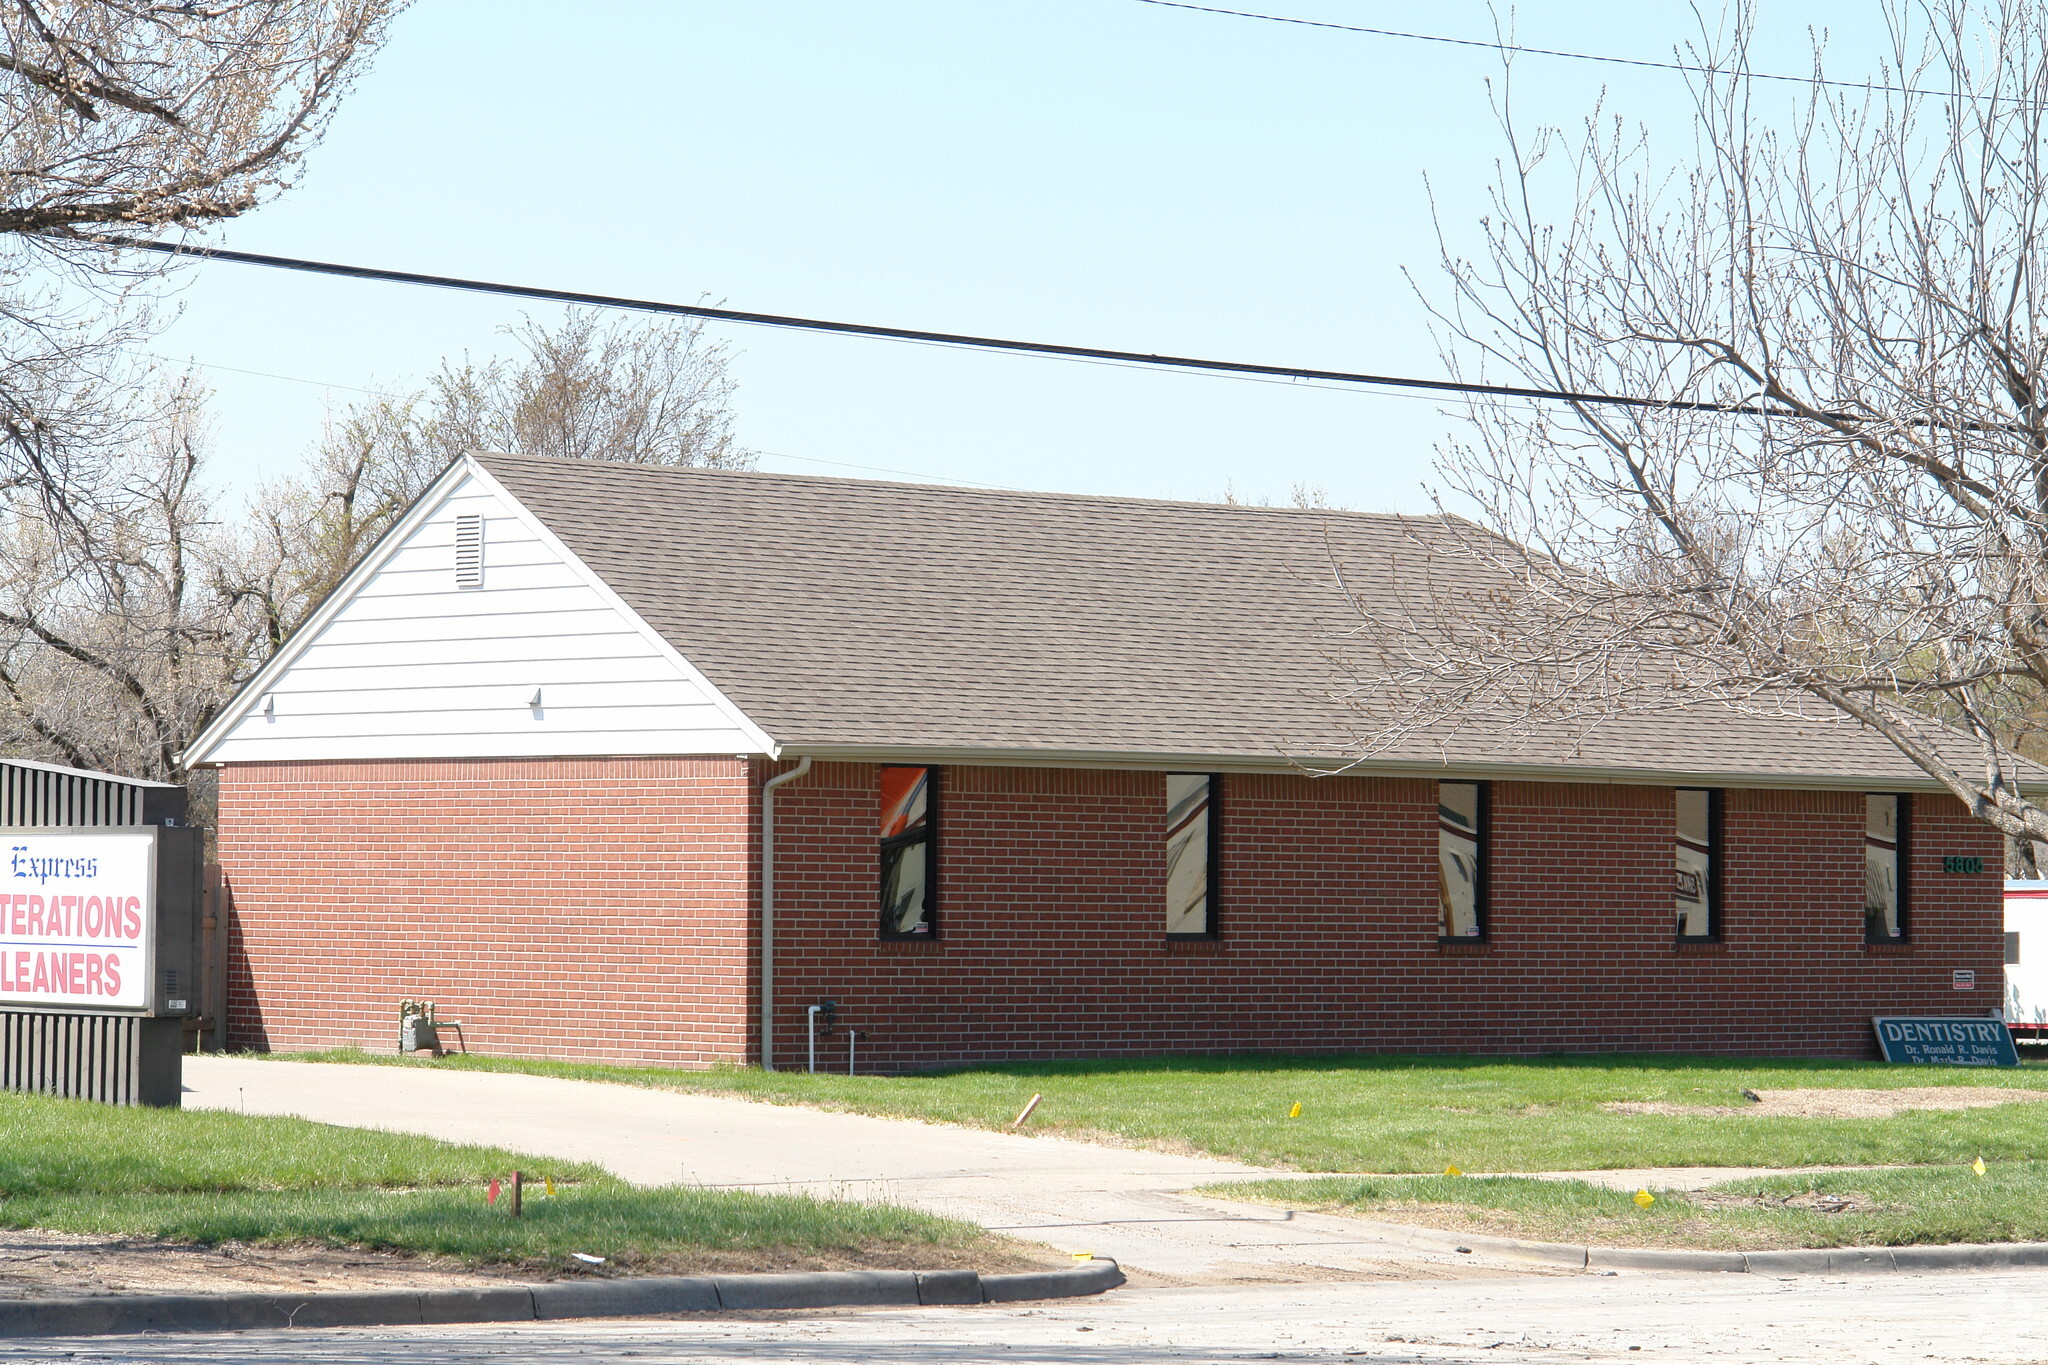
[1338, 766]
[768, 907]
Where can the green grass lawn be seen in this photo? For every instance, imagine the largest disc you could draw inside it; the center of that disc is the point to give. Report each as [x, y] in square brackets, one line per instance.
[2009, 1203]
[209, 1177]
[1400, 1114]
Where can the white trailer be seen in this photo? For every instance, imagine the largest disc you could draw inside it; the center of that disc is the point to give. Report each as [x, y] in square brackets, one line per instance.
[2026, 959]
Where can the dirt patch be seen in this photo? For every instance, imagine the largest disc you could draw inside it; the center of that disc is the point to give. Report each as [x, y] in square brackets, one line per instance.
[1101, 1137]
[37, 1264]
[1807, 1200]
[1358, 1270]
[1695, 1234]
[34, 1264]
[1839, 1104]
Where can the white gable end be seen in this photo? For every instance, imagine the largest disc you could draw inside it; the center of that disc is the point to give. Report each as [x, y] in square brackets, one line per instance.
[518, 652]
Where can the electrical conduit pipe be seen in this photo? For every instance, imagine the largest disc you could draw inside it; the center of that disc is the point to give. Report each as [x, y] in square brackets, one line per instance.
[768, 907]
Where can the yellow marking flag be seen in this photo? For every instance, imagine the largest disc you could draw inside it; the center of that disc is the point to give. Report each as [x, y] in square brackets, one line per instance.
[1295, 1112]
[550, 1182]
[1978, 1165]
[1084, 1255]
[1644, 1199]
[1452, 1170]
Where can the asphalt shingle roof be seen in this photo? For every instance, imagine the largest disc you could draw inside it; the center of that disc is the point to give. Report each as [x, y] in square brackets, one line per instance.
[845, 613]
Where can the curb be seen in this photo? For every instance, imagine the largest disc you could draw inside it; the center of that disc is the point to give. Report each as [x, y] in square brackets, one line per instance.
[1815, 1261]
[1820, 1261]
[114, 1314]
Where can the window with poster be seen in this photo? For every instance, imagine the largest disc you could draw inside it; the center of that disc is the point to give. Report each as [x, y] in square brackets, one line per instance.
[1698, 854]
[908, 855]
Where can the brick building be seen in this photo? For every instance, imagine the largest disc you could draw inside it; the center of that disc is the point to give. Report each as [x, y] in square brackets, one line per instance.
[1032, 776]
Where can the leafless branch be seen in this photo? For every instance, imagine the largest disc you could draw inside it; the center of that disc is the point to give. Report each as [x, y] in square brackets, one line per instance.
[1873, 543]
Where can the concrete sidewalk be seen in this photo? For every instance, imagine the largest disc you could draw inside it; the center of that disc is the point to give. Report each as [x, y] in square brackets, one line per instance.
[1126, 1203]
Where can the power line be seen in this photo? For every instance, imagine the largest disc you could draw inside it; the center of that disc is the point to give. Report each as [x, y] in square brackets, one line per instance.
[1550, 51]
[1106, 364]
[958, 339]
[265, 374]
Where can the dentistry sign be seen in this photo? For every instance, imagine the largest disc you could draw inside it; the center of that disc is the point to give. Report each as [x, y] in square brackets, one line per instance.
[1952, 1040]
[78, 915]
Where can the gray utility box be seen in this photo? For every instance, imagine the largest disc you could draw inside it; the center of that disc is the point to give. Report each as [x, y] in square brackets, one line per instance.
[174, 979]
[99, 960]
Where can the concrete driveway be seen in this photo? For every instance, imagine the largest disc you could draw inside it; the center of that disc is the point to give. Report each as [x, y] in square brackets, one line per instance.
[1122, 1202]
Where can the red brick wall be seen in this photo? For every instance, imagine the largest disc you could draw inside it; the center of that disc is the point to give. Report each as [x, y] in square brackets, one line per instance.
[593, 908]
[1050, 912]
[356, 884]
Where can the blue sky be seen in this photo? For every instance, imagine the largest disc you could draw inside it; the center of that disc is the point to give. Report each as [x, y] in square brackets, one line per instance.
[1103, 172]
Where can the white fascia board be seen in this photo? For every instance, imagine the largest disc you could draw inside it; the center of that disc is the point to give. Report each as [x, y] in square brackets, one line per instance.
[1339, 766]
[309, 630]
[759, 739]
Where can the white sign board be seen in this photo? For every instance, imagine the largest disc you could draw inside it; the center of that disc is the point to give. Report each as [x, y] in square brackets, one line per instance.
[77, 918]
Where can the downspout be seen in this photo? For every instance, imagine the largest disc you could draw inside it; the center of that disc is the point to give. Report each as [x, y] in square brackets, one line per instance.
[768, 907]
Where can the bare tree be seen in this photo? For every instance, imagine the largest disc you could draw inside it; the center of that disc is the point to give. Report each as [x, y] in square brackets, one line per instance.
[646, 392]
[1305, 497]
[117, 636]
[119, 116]
[1855, 520]
[118, 629]
[639, 390]
[143, 113]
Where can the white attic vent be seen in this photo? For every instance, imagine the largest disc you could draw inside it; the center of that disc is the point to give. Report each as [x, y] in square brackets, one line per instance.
[469, 550]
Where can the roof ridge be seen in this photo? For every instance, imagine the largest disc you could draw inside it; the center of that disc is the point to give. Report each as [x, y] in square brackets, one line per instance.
[487, 457]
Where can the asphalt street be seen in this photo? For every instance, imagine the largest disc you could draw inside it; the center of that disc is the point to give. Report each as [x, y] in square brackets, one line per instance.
[1942, 1316]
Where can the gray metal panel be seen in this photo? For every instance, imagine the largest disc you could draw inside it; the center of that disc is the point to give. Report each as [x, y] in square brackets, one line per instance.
[112, 1058]
[45, 796]
[42, 794]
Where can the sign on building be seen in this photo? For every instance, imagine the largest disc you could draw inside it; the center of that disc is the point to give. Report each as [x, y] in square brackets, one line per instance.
[1961, 1040]
[100, 919]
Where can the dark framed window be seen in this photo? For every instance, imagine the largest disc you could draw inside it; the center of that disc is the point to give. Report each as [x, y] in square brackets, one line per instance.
[1192, 829]
[1461, 860]
[1885, 829]
[909, 852]
[1698, 854]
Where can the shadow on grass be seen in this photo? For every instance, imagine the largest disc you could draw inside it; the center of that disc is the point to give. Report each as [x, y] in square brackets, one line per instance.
[1278, 1062]
[1201, 1064]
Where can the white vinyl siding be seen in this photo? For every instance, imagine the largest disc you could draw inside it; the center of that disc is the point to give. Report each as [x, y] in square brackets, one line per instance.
[430, 656]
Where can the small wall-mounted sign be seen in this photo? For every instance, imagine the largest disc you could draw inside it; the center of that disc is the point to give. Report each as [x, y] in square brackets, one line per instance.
[1963, 979]
[1946, 1041]
[1966, 866]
